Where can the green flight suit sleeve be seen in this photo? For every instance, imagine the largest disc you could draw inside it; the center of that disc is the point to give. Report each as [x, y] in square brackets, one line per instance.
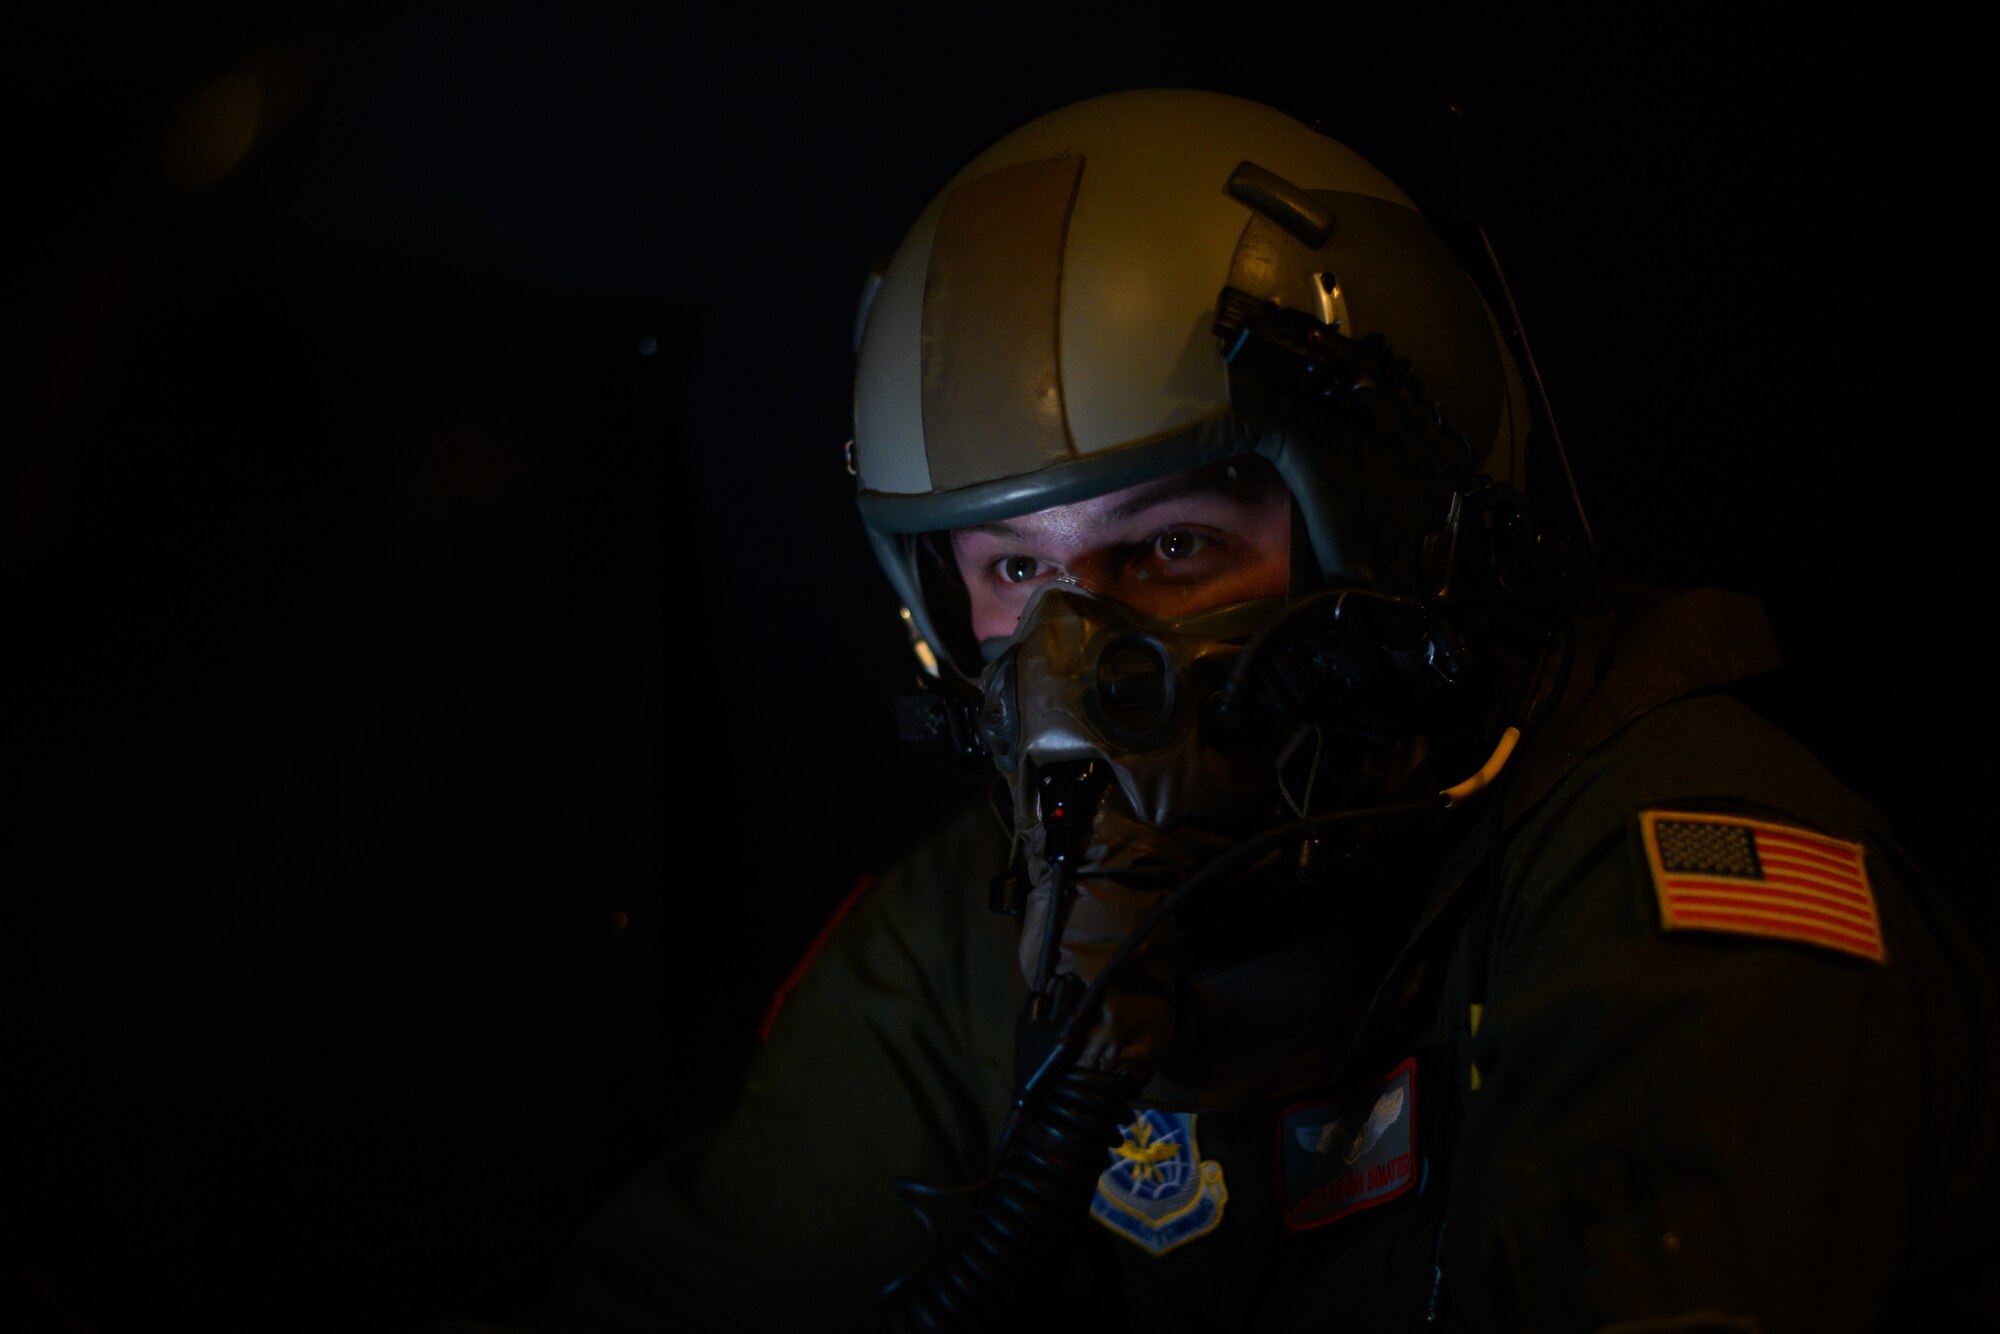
[891, 1058]
[1696, 1130]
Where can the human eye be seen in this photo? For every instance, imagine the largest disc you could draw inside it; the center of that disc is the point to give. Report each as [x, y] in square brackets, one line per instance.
[1017, 569]
[1181, 544]
[1180, 556]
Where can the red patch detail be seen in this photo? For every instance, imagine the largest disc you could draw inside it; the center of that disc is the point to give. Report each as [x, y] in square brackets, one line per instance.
[805, 963]
[1336, 1158]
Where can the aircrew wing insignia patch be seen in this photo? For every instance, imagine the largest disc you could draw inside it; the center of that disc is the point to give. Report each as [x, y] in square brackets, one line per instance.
[1755, 878]
[1340, 1156]
[1159, 1192]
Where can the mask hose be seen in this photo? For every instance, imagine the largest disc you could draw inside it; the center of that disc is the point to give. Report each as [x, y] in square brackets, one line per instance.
[1025, 1216]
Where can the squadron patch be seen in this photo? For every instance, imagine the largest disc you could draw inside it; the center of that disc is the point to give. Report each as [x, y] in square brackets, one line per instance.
[1755, 878]
[1159, 1192]
[1340, 1156]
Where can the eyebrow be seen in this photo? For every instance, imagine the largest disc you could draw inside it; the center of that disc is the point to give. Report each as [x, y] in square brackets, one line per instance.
[1205, 481]
[1202, 481]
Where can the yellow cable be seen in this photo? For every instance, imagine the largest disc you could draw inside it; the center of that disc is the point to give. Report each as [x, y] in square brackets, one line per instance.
[1488, 771]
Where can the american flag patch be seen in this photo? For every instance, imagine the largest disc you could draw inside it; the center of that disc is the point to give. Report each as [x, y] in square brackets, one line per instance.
[1724, 873]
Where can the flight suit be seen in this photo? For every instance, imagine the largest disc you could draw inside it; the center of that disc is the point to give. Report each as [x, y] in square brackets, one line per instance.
[1561, 1112]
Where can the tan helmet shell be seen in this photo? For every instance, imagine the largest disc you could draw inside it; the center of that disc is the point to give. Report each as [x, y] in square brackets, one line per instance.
[1044, 332]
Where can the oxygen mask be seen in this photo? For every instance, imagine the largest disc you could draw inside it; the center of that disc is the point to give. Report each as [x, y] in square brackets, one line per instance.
[1140, 754]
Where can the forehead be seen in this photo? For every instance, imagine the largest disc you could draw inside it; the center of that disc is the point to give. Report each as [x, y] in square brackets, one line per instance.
[1247, 483]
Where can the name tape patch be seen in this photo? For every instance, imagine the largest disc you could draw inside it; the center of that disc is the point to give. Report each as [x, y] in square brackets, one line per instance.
[1341, 1156]
[1755, 878]
[1159, 1192]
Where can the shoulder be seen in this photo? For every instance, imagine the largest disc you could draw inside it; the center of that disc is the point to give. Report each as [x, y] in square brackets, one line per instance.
[965, 850]
[1764, 1092]
[1708, 748]
[931, 902]
[915, 947]
[1823, 946]
[1704, 756]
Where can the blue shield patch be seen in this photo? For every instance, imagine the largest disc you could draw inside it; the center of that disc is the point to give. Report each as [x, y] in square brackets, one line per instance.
[1340, 1157]
[1159, 1192]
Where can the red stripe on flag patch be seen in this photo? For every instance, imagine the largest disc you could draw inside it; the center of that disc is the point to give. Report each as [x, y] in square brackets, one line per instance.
[1751, 877]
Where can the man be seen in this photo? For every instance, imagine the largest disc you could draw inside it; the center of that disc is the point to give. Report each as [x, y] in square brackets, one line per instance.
[1375, 926]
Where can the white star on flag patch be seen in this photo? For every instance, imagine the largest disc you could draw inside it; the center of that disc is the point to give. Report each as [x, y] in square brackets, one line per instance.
[1755, 878]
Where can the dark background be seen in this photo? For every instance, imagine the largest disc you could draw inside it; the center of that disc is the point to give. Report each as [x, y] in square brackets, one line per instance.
[446, 684]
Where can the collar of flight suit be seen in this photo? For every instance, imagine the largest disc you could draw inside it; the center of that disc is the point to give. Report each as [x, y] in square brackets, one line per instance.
[1650, 648]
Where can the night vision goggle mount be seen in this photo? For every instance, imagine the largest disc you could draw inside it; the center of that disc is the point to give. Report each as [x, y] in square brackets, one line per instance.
[1494, 554]
[1293, 355]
